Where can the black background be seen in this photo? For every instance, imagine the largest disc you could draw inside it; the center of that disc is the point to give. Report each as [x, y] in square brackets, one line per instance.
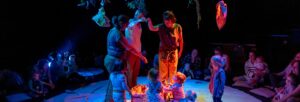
[31, 29]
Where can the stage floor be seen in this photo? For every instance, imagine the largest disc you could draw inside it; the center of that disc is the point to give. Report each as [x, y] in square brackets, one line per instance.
[95, 92]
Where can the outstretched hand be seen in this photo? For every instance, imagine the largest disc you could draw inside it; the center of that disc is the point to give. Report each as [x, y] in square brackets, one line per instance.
[144, 59]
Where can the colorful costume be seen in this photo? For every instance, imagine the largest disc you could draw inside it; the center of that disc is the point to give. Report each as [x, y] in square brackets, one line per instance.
[221, 14]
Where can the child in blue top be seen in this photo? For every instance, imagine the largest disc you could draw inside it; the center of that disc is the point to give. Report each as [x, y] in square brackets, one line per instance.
[217, 83]
[119, 82]
[155, 87]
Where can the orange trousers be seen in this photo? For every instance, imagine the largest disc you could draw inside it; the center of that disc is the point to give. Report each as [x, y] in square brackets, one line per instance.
[168, 61]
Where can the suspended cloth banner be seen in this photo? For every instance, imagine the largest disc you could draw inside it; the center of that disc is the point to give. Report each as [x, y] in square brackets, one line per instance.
[221, 15]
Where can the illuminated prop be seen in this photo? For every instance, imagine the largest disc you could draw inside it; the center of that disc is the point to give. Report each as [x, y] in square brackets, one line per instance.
[167, 94]
[139, 93]
[100, 19]
[221, 14]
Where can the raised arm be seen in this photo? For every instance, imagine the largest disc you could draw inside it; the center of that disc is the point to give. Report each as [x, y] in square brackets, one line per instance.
[132, 50]
[150, 25]
[134, 22]
[282, 73]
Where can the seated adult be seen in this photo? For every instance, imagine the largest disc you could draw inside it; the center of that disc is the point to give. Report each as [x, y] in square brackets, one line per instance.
[248, 67]
[191, 64]
[281, 76]
[43, 69]
[293, 96]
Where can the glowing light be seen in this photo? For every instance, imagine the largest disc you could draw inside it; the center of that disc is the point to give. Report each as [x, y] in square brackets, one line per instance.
[49, 64]
[139, 93]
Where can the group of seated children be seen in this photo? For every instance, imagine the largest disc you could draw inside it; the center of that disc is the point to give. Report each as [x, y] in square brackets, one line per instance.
[156, 92]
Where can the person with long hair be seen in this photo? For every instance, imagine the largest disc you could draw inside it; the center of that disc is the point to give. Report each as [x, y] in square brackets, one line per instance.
[116, 47]
[293, 96]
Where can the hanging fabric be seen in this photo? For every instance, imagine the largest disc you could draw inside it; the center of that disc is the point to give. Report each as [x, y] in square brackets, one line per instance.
[221, 14]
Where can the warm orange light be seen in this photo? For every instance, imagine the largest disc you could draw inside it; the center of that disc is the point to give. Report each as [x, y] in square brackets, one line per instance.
[139, 90]
[168, 95]
[139, 93]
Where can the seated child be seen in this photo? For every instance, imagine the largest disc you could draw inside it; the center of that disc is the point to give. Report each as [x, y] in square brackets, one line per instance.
[36, 86]
[261, 68]
[187, 71]
[290, 85]
[190, 96]
[217, 83]
[155, 87]
[177, 87]
[119, 82]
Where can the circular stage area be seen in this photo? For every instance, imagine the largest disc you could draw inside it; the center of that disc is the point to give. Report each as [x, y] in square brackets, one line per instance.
[95, 92]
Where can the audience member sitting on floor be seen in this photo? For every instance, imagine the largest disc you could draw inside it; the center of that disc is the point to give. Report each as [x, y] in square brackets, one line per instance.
[72, 65]
[278, 78]
[190, 64]
[154, 92]
[57, 67]
[261, 69]
[36, 87]
[249, 65]
[255, 71]
[10, 81]
[293, 96]
[249, 69]
[119, 82]
[290, 84]
[42, 67]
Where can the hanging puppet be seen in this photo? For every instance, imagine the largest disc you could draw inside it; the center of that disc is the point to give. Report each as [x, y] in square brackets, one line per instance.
[221, 14]
[100, 18]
